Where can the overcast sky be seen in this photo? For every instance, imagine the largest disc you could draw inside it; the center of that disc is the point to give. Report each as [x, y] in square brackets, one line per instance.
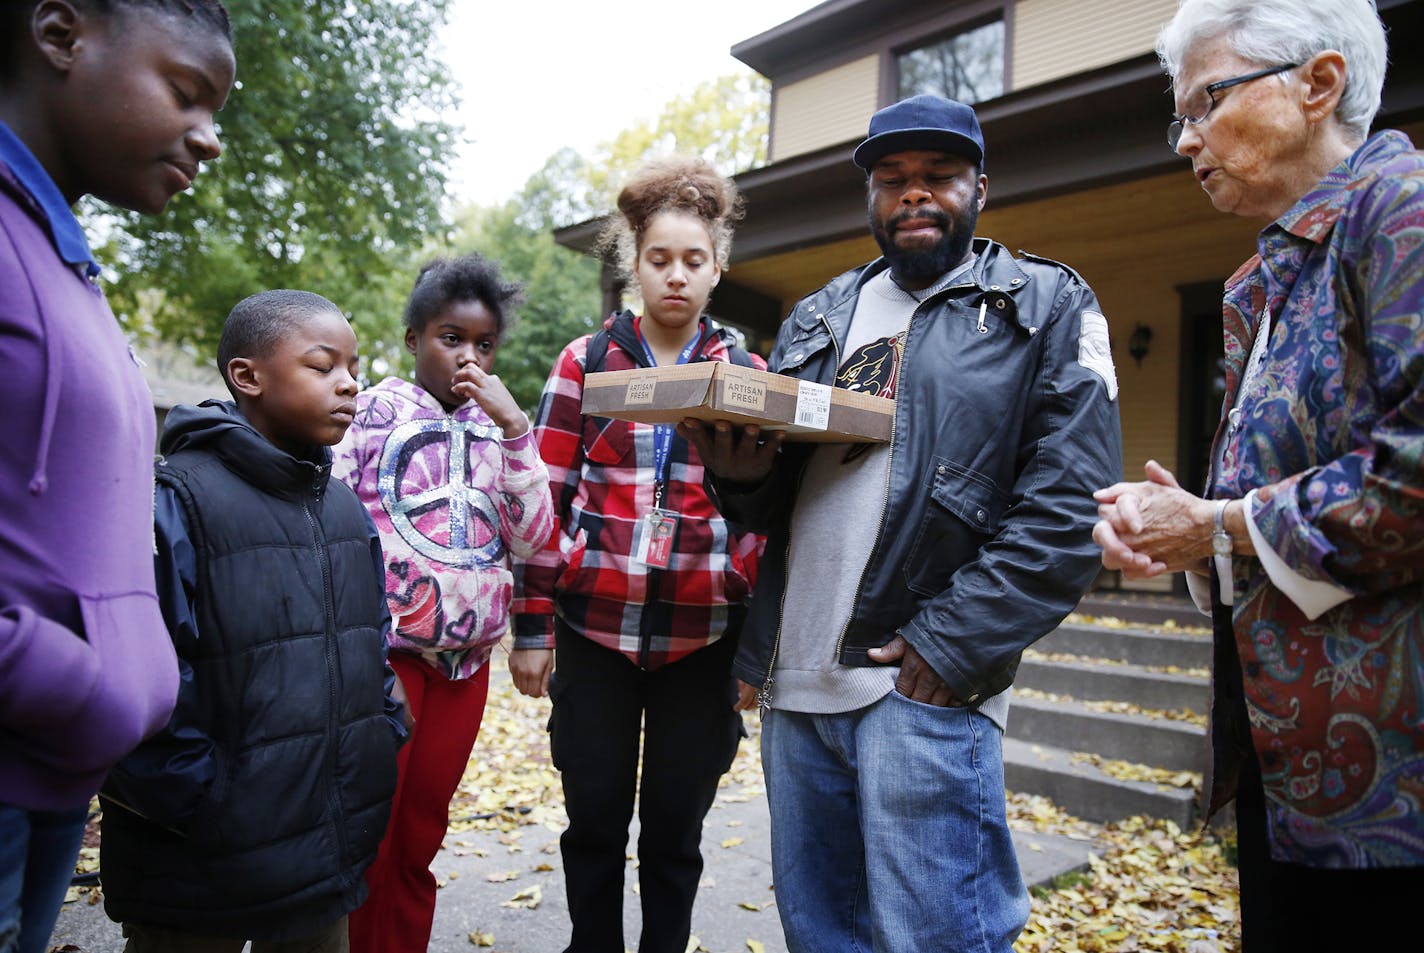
[538, 75]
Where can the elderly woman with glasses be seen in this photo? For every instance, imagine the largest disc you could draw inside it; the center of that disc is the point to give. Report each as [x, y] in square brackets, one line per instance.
[1308, 545]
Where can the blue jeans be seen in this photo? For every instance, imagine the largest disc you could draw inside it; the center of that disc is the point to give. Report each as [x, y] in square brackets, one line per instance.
[37, 854]
[888, 831]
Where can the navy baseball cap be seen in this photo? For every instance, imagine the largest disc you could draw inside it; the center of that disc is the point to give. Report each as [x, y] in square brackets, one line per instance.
[922, 122]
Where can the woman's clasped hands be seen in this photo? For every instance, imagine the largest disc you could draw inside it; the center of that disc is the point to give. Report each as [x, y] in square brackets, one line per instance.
[1152, 527]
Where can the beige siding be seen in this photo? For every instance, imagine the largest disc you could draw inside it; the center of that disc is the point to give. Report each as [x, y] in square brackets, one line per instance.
[1056, 38]
[824, 109]
[1134, 243]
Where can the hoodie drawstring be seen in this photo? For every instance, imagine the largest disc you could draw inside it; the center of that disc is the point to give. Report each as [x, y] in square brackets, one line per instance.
[53, 376]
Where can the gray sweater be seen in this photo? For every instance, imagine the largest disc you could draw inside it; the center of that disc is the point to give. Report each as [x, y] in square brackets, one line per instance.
[837, 514]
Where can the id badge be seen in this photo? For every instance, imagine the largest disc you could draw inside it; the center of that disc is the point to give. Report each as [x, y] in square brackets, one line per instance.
[652, 538]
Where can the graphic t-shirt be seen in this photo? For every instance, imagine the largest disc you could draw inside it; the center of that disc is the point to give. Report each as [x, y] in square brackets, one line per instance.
[837, 515]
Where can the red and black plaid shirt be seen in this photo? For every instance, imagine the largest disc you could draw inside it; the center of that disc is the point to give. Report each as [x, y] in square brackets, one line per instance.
[601, 476]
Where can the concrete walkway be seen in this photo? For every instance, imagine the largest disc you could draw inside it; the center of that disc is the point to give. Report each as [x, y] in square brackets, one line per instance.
[510, 887]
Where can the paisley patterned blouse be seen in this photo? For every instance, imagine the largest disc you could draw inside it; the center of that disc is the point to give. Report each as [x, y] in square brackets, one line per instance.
[1333, 426]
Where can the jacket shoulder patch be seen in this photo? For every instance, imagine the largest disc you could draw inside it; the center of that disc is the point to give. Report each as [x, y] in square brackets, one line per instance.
[1039, 259]
[1095, 351]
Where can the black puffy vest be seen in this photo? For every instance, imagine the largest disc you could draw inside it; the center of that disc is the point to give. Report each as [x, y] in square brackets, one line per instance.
[290, 672]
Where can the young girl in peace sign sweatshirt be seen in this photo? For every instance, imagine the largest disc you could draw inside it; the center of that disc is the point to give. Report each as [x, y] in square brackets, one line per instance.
[451, 474]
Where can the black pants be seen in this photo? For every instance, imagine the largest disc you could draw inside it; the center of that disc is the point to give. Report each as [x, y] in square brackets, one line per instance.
[689, 736]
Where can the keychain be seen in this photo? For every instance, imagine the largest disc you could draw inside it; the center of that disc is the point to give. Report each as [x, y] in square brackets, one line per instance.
[653, 537]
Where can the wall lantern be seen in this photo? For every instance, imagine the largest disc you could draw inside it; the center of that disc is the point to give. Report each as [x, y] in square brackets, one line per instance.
[1139, 342]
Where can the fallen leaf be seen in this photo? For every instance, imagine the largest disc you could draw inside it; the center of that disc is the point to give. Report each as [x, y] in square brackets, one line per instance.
[527, 899]
[1159, 888]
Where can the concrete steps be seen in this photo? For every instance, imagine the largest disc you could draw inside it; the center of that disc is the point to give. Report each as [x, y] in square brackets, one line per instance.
[1098, 681]
[1140, 739]
[1136, 646]
[1084, 790]
[1146, 609]
[1107, 708]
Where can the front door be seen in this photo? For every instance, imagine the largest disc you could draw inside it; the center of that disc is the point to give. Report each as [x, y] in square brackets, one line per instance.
[1203, 381]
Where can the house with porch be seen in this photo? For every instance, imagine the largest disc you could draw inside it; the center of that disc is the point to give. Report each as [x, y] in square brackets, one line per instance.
[1074, 109]
[1108, 713]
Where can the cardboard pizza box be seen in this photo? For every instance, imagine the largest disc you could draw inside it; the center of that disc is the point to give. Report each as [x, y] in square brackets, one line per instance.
[714, 390]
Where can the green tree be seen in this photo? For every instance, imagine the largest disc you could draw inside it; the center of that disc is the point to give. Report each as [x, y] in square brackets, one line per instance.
[332, 171]
[559, 194]
[562, 299]
[724, 120]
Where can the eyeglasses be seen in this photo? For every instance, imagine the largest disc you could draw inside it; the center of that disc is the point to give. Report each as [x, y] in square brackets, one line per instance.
[1205, 101]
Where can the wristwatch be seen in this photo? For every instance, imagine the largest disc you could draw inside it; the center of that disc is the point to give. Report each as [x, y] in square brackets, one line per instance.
[1220, 538]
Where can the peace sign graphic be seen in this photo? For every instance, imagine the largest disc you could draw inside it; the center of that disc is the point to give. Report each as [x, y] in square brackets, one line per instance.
[445, 519]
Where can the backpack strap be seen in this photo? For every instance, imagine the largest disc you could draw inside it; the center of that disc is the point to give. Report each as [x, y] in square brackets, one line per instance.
[739, 356]
[597, 352]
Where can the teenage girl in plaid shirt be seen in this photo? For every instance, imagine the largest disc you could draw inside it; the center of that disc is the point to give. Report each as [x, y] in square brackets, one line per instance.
[630, 637]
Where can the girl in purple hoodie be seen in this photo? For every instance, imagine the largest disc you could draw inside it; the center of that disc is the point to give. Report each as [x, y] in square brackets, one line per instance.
[114, 100]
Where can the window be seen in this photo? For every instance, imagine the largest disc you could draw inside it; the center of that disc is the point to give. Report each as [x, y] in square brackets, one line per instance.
[968, 66]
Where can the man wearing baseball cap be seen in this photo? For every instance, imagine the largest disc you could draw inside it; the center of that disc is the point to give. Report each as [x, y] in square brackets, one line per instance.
[901, 581]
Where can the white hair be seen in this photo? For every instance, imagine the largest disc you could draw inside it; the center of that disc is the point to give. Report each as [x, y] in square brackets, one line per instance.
[1276, 32]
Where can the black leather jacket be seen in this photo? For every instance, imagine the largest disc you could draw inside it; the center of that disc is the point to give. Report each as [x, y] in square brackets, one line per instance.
[1001, 435]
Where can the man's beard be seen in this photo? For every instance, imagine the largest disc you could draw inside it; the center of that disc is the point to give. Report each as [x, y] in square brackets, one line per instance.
[926, 264]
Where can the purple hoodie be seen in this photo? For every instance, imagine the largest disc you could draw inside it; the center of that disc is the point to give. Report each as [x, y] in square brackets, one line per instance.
[87, 669]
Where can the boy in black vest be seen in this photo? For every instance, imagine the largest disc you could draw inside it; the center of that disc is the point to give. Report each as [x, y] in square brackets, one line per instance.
[258, 809]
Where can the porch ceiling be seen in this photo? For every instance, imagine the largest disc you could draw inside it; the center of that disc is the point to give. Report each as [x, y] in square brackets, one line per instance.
[1104, 233]
[1079, 169]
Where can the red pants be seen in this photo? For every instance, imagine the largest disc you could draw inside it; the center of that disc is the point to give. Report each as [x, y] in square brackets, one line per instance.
[398, 914]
